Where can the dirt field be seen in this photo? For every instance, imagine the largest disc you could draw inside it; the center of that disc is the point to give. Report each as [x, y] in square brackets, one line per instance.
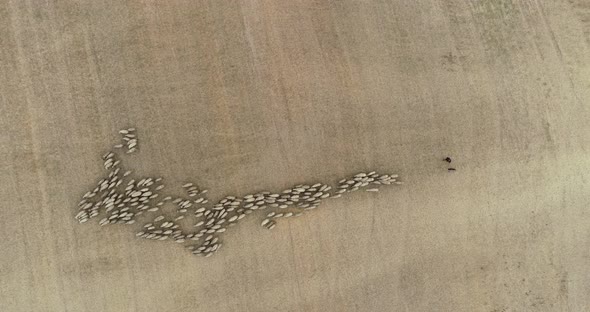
[245, 96]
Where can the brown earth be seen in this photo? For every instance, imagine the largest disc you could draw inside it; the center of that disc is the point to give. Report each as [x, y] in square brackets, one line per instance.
[241, 96]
